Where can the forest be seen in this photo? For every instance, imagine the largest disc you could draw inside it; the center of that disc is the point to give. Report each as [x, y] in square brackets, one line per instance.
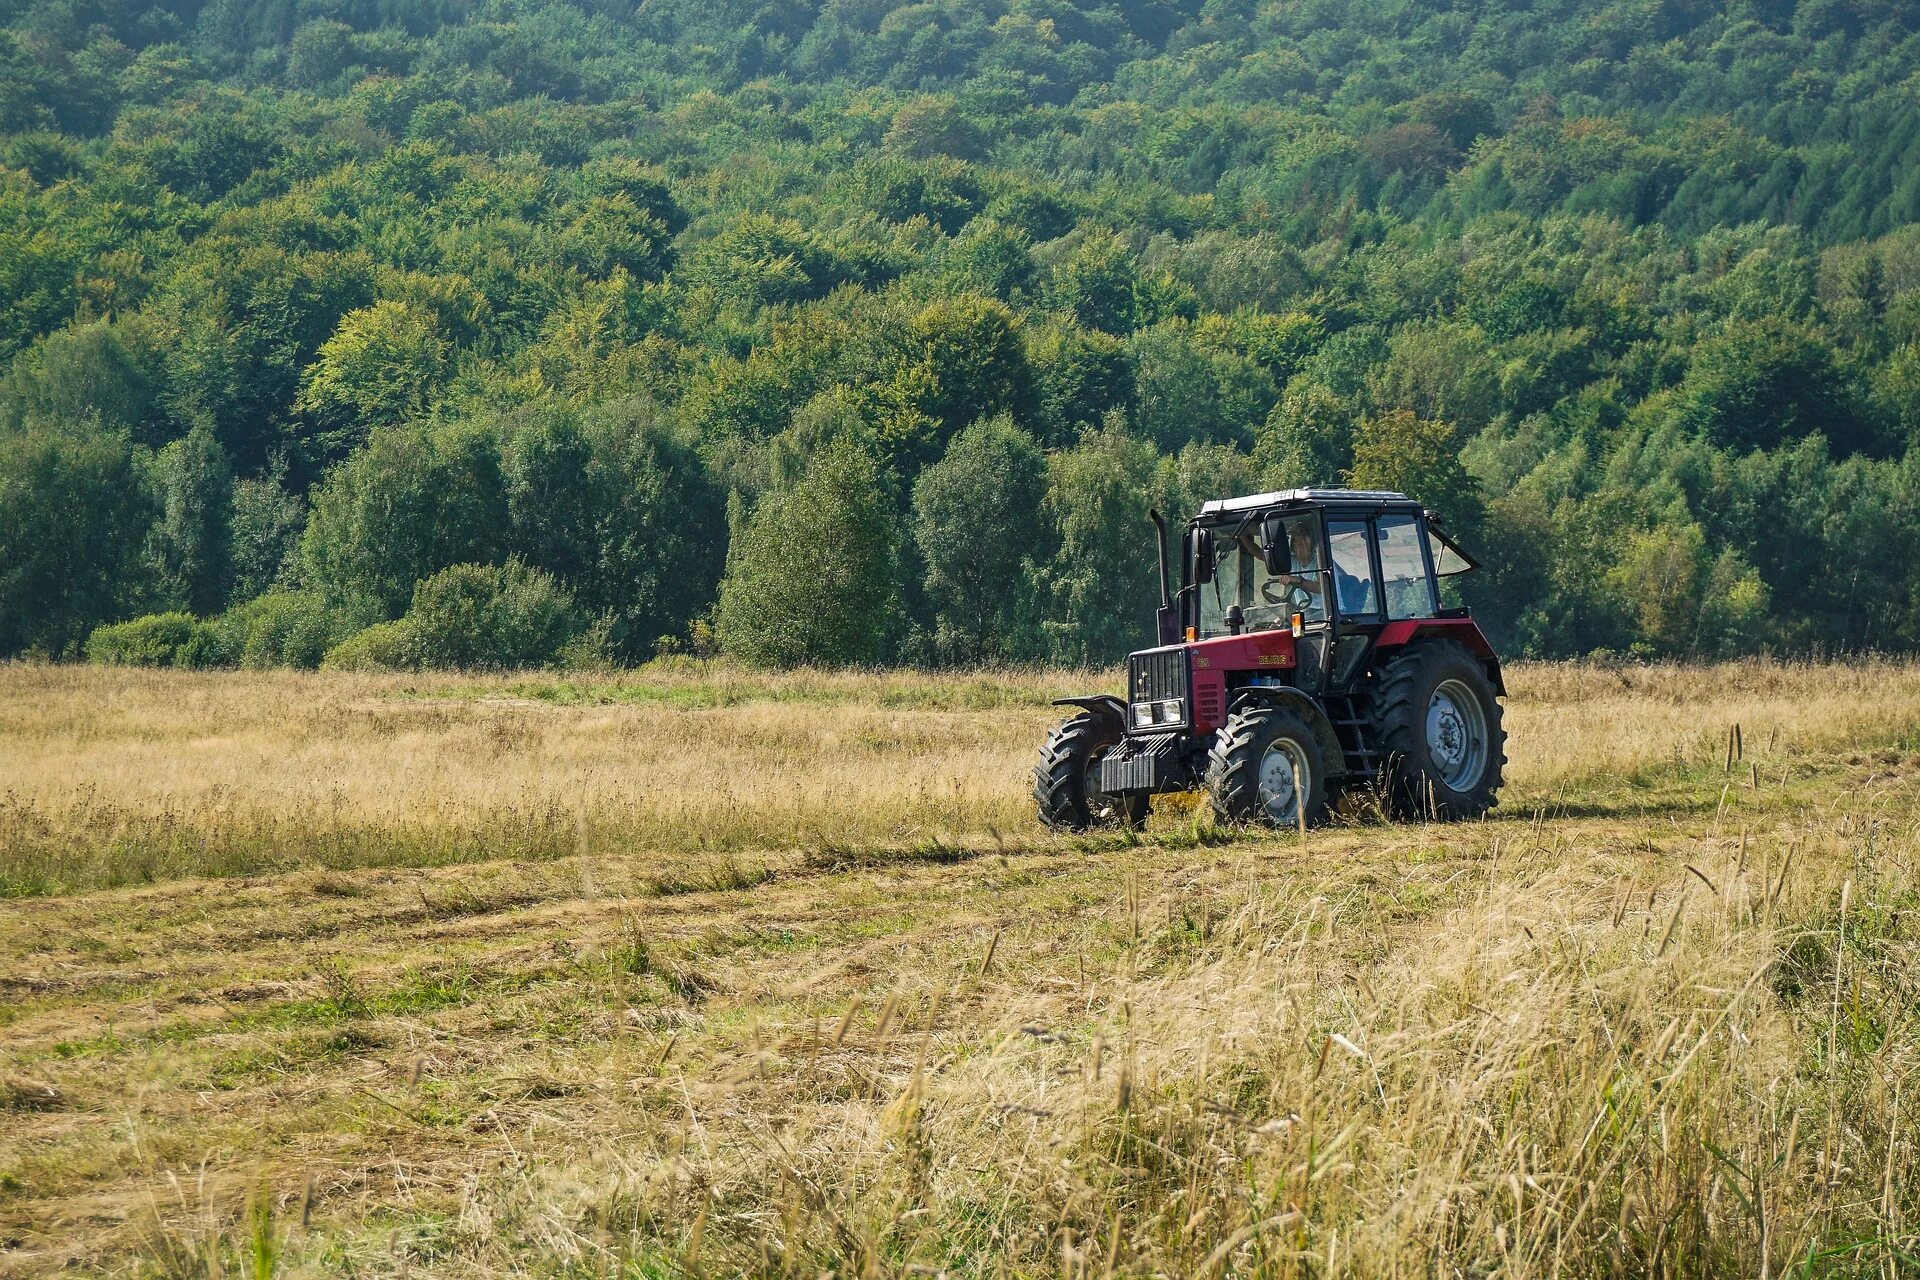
[389, 334]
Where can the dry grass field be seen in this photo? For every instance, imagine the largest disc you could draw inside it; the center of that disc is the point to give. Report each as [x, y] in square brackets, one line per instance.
[693, 972]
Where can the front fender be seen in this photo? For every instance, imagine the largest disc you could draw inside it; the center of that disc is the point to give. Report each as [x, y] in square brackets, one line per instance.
[1307, 709]
[1102, 705]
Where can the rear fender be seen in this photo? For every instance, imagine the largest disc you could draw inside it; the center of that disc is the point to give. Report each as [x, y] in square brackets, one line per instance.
[1465, 631]
[1307, 709]
[1103, 706]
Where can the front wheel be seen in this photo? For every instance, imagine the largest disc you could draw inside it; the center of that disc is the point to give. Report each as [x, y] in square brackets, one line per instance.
[1266, 766]
[1066, 781]
[1438, 721]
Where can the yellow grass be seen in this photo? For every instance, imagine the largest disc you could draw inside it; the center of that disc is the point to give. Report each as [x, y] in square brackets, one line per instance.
[703, 973]
[117, 776]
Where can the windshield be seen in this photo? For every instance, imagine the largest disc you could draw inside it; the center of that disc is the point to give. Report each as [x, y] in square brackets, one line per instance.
[1266, 600]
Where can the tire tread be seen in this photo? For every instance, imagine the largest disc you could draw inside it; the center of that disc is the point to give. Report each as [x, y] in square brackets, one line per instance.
[1399, 726]
[1233, 768]
[1064, 757]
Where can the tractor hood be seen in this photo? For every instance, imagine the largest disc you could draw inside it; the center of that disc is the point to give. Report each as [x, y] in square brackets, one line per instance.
[1196, 673]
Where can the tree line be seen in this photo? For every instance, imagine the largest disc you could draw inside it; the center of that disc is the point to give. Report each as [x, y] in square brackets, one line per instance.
[398, 333]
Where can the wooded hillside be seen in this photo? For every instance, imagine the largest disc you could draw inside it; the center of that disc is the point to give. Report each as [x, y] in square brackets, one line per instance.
[490, 332]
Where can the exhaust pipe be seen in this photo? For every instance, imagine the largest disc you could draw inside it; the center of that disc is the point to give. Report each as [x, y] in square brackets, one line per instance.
[1169, 625]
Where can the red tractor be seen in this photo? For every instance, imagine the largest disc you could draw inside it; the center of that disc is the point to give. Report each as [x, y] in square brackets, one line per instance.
[1306, 654]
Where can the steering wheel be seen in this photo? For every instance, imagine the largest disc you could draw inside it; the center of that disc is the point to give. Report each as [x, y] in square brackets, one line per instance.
[1294, 596]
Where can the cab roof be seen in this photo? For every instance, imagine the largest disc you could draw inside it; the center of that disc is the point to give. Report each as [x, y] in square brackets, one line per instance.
[1306, 497]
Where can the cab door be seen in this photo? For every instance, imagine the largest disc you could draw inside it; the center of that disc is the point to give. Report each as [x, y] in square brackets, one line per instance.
[1297, 596]
[1359, 611]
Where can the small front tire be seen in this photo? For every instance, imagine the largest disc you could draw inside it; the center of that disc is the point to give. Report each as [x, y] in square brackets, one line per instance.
[1066, 780]
[1265, 766]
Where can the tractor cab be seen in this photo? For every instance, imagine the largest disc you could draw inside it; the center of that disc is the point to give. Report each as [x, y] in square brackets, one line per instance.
[1306, 652]
[1323, 564]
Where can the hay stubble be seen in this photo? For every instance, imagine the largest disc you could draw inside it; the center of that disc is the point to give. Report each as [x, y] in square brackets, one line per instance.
[1656, 1017]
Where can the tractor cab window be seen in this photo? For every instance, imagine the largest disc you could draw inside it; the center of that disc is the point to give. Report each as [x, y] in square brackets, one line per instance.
[1409, 592]
[1303, 590]
[1447, 558]
[1353, 582]
[1266, 600]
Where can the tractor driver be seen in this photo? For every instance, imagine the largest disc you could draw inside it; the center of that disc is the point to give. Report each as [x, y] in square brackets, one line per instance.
[1301, 589]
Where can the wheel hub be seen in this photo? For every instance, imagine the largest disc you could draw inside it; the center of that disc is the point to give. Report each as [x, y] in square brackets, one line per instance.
[1283, 779]
[1456, 735]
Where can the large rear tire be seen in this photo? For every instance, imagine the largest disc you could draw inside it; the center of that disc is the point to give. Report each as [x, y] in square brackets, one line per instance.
[1437, 719]
[1265, 764]
[1066, 783]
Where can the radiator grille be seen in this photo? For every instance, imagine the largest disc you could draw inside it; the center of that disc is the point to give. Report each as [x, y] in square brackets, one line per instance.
[1158, 674]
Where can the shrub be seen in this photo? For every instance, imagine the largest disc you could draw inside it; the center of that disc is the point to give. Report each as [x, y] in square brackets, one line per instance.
[384, 646]
[279, 629]
[156, 640]
[206, 648]
[485, 617]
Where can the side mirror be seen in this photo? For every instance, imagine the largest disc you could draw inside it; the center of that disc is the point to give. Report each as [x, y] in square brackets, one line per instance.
[1200, 557]
[1275, 549]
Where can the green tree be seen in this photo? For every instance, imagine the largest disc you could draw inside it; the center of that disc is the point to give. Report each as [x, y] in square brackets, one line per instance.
[412, 502]
[1098, 285]
[1191, 392]
[1200, 473]
[966, 357]
[109, 371]
[1080, 376]
[245, 320]
[267, 521]
[978, 522]
[991, 258]
[192, 542]
[1097, 597]
[930, 125]
[759, 259]
[381, 367]
[622, 510]
[944, 191]
[482, 617]
[319, 52]
[812, 578]
[612, 233]
[154, 640]
[1420, 458]
[1684, 597]
[1439, 373]
[1307, 439]
[73, 511]
[1760, 384]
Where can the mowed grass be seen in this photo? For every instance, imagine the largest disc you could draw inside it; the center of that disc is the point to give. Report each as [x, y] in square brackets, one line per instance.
[700, 973]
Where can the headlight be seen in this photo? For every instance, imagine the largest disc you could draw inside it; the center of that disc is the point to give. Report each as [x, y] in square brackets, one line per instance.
[1167, 711]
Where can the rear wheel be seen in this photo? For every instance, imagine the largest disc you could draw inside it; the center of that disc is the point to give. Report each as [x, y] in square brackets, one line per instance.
[1438, 721]
[1266, 766]
[1066, 781]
